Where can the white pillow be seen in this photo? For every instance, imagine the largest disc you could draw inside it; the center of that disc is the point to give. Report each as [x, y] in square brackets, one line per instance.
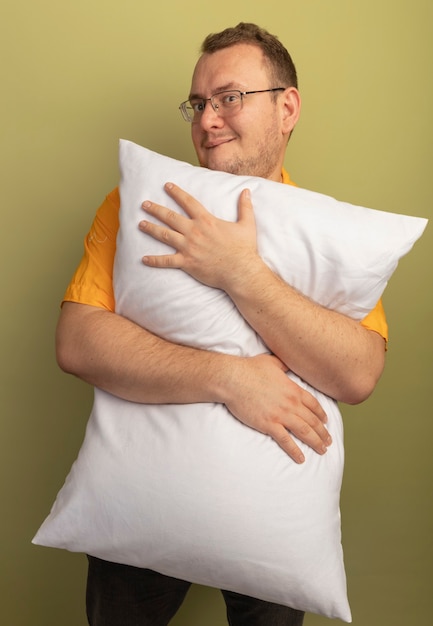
[188, 490]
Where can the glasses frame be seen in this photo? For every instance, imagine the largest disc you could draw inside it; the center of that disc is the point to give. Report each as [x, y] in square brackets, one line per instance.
[187, 117]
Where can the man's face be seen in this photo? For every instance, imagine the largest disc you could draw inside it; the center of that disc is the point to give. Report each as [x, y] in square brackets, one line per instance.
[253, 141]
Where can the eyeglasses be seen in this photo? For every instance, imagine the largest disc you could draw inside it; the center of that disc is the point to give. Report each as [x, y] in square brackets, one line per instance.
[224, 103]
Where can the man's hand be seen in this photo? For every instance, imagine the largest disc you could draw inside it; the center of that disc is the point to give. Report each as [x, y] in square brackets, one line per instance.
[264, 398]
[206, 247]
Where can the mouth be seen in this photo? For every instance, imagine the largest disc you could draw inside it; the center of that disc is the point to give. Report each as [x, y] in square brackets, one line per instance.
[215, 143]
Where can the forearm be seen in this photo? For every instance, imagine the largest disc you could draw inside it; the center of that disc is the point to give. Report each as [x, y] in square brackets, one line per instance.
[111, 352]
[330, 351]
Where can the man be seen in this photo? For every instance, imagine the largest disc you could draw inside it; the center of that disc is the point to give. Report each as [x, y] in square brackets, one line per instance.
[243, 106]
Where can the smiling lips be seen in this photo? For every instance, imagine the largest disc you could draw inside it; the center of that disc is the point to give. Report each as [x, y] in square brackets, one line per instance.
[208, 145]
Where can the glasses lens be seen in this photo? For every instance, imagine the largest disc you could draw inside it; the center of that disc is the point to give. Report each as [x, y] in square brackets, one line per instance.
[227, 102]
[195, 108]
[192, 109]
[186, 111]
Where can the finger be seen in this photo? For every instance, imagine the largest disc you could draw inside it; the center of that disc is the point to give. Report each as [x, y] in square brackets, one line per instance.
[171, 218]
[286, 442]
[189, 204]
[314, 406]
[164, 260]
[310, 430]
[166, 235]
[319, 439]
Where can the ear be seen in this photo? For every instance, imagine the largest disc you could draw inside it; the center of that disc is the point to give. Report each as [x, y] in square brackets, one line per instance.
[290, 103]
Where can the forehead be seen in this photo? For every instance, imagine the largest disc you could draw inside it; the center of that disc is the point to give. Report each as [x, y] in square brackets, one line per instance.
[241, 66]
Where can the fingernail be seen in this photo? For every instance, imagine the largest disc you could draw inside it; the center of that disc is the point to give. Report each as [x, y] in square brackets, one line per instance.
[169, 185]
[146, 204]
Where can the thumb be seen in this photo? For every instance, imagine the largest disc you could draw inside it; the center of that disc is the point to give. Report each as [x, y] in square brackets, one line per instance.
[245, 207]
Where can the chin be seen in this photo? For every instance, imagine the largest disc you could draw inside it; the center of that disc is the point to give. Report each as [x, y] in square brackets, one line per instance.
[229, 166]
[220, 159]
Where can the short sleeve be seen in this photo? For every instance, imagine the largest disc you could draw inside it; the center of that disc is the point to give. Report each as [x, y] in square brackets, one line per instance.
[92, 282]
[376, 320]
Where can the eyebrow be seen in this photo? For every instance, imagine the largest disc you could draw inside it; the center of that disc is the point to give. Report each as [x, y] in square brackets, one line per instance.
[226, 87]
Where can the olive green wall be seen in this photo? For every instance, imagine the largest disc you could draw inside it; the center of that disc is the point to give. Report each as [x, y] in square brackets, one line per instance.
[77, 76]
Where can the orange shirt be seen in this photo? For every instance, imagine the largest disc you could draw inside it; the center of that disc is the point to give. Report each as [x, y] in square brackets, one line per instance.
[92, 282]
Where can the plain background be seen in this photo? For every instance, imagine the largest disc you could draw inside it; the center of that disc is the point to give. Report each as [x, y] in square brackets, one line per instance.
[77, 76]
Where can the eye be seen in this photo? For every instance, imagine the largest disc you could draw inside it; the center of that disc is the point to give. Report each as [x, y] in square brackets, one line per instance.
[230, 98]
[197, 105]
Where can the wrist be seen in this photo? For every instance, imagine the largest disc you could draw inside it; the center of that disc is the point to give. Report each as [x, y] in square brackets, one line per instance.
[248, 278]
[221, 376]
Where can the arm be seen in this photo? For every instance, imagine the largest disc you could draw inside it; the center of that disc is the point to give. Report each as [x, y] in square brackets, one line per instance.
[113, 353]
[333, 353]
[328, 350]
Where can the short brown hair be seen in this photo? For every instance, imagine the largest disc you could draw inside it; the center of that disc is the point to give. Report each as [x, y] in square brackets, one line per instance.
[280, 63]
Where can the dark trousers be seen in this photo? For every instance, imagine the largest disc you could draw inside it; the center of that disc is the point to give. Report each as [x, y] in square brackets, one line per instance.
[122, 595]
